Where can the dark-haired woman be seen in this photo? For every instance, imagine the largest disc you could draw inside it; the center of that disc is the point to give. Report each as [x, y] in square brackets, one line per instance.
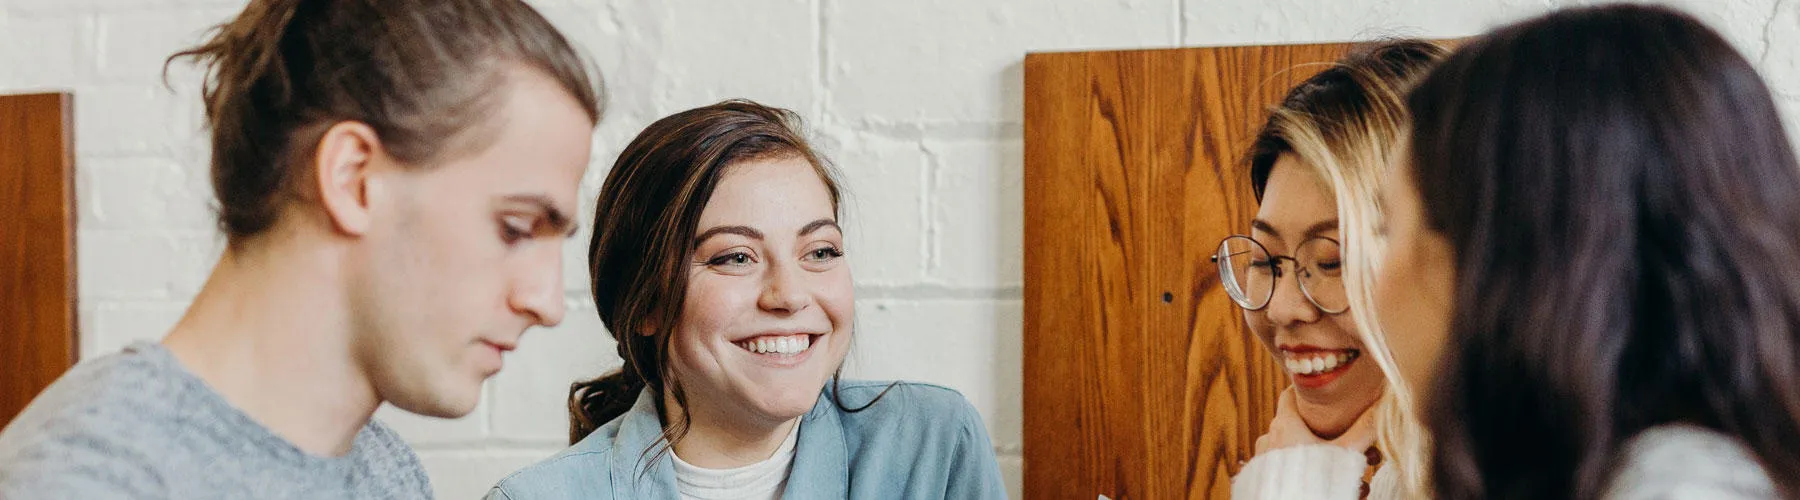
[718, 266]
[1591, 265]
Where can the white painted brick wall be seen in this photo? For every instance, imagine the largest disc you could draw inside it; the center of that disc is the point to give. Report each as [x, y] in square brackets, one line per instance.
[920, 102]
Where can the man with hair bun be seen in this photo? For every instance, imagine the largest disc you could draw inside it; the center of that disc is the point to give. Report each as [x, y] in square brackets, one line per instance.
[395, 182]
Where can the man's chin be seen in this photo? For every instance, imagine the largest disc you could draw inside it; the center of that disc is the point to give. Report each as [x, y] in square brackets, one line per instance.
[443, 405]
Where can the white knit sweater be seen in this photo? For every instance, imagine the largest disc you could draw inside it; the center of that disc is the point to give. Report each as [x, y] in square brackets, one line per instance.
[1666, 462]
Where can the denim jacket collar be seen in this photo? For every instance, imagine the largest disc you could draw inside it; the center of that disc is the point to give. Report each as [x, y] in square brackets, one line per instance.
[821, 464]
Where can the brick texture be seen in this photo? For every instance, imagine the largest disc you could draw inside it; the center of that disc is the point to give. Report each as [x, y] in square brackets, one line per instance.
[919, 102]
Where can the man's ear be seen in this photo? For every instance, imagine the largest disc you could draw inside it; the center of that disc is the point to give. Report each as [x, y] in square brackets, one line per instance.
[341, 166]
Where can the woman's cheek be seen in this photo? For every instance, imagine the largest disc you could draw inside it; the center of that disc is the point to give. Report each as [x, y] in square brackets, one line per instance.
[1346, 325]
[1258, 322]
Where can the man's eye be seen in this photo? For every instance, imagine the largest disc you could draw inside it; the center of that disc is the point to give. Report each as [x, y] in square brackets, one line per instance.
[513, 230]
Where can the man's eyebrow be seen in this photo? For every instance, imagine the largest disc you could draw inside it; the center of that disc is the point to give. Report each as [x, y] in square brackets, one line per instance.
[554, 217]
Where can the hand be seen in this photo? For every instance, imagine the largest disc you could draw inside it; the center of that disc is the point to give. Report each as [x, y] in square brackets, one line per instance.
[1287, 429]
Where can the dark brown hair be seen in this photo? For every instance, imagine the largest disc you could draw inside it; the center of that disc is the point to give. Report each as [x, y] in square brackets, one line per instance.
[1618, 192]
[644, 227]
[421, 73]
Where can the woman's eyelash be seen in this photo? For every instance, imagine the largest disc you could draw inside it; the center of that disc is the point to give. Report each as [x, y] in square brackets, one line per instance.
[738, 257]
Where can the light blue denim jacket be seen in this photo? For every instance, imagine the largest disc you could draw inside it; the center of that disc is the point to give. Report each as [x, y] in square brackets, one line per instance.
[920, 441]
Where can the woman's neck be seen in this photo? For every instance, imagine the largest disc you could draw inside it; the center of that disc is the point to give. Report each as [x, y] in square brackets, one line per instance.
[716, 440]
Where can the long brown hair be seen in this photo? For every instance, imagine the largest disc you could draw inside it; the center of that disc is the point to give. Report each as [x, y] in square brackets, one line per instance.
[644, 225]
[1617, 190]
[421, 73]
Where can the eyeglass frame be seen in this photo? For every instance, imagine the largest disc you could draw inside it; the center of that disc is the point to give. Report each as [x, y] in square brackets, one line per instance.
[1275, 261]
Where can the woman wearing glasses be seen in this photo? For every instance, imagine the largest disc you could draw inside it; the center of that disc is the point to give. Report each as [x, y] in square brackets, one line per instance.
[1302, 276]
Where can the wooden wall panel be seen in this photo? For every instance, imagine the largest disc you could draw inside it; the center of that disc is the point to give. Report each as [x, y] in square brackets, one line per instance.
[37, 246]
[1141, 380]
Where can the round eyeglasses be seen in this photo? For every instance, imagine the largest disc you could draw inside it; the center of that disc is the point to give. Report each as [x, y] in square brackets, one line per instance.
[1250, 273]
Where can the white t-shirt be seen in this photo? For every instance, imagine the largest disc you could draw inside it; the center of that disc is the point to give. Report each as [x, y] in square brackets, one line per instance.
[757, 481]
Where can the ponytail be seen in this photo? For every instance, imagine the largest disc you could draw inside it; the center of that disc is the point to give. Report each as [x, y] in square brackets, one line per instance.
[422, 73]
[249, 100]
[593, 403]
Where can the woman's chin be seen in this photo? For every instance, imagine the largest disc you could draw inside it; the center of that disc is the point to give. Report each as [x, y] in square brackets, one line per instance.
[784, 403]
[1328, 420]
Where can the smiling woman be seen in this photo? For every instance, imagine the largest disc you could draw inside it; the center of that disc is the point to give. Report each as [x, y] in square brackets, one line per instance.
[1302, 279]
[718, 267]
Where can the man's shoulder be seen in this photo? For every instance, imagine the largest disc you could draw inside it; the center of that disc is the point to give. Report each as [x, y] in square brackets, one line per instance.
[87, 430]
[105, 397]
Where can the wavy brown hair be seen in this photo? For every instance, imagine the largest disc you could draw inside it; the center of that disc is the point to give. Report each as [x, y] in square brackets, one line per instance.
[1618, 193]
[422, 73]
[644, 227]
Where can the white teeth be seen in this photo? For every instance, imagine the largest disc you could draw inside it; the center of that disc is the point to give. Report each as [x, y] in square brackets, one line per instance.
[1317, 363]
[782, 346]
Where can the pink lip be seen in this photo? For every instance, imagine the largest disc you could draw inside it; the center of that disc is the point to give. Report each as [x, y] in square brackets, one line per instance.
[1308, 348]
[501, 346]
[1318, 380]
[775, 333]
[499, 349]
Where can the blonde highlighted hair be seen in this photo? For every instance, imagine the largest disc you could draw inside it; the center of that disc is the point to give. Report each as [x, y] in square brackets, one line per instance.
[1348, 123]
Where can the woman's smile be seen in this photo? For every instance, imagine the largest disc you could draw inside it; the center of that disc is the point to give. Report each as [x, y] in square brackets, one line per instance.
[780, 350]
[1315, 367]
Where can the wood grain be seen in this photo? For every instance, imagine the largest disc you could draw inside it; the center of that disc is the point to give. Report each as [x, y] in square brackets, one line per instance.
[1141, 380]
[37, 246]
